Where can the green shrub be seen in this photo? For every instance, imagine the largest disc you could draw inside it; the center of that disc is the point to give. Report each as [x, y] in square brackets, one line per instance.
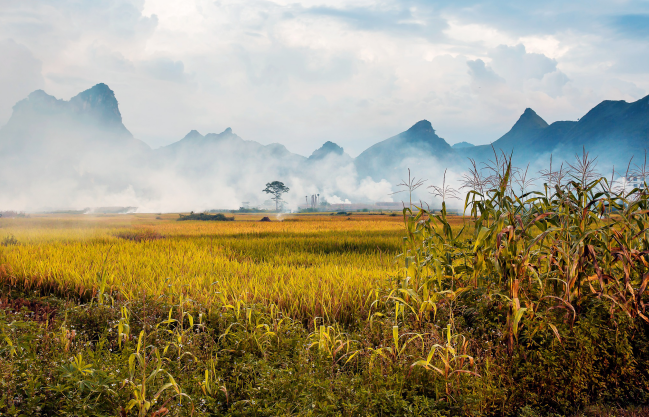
[205, 217]
[9, 240]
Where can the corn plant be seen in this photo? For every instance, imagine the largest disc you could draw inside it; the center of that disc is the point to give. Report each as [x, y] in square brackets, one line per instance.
[178, 330]
[144, 371]
[211, 385]
[334, 344]
[123, 326]
[17, 337]
[397, 348]
[537, 251]
[449, 359]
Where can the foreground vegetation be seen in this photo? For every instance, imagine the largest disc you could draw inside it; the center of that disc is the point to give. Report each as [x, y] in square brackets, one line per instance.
[533, 306]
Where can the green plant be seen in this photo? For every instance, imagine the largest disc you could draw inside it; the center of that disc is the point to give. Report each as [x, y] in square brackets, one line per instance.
[333, 343]
[449, 359]
[220, 217]
[10, 241]
[145, 369]
[550, 259]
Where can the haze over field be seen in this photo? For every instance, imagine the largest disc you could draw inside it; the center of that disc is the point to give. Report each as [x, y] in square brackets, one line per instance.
[306, 93]
[73, 154]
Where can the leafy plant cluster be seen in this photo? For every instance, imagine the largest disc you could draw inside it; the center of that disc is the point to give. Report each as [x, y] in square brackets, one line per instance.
[142, 358]
[205, 217]
[549, 286]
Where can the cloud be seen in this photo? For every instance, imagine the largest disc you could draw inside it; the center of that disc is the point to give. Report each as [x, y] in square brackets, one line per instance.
[483, 75]
[513, 73]
[110, 59]
[351, 71]
[165, 69]
[552, 83]
[19, 75]
[517, 65]
[398, 19]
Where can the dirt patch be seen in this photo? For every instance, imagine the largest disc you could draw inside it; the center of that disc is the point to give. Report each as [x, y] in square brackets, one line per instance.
[33, 309]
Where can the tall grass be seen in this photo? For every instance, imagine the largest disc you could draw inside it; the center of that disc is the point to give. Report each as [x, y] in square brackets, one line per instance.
[313, 267]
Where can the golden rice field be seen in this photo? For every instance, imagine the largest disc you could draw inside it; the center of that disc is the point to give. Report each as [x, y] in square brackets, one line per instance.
[307, 265]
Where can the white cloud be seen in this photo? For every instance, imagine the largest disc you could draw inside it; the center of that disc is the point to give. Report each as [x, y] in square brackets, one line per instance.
[165, 69]
[19, 75]
[552, 83]
[303, 72]
[516, 65]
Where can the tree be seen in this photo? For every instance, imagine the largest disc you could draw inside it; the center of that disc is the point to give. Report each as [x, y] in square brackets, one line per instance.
[276, 188]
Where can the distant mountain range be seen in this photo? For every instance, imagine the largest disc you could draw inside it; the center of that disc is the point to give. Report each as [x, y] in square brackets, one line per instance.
[613, 131]
[78, 153]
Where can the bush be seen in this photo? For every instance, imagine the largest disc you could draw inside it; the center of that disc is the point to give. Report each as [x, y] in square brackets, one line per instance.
[10, 214]
[9, 240]
[205, 217]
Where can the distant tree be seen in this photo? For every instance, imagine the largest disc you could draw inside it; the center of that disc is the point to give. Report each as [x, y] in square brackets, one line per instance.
[276, 189]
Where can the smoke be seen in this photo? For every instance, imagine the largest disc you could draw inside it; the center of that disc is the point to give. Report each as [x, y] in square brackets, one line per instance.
[215, 172]
[53, 161]
[58, 155]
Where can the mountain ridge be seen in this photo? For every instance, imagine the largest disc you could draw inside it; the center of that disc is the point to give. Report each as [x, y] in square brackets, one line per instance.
[420, 140]
[82, 147]
[98, 105]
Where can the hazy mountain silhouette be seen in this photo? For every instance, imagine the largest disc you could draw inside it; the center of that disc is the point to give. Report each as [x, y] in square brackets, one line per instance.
[89, 118]
[614, 131]
[529, 125]
[54, 148]
[385, 158]
[329, 148]
[198, 155]
[461, 145]
[64, 153]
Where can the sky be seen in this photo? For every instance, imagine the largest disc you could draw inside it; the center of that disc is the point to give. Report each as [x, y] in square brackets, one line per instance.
[350, 71]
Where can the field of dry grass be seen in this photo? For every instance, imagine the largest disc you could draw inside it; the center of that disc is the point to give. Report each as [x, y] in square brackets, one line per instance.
[308, 265]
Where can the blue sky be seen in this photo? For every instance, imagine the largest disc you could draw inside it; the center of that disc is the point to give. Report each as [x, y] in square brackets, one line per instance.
[304, 72]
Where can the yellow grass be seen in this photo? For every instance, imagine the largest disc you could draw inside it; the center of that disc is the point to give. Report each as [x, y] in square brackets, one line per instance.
[308, 265]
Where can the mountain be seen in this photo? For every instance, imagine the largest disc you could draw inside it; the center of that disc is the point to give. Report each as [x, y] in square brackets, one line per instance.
[461, 145]
[614, 131]
[387, 157]
[528, 126]
[329, 148]
[56, 152]
[78, 153]
[224, 154]
[92, 115]
[226, 158]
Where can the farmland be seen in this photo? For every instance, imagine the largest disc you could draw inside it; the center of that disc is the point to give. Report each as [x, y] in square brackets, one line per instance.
[308, 266]
[501, 313]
